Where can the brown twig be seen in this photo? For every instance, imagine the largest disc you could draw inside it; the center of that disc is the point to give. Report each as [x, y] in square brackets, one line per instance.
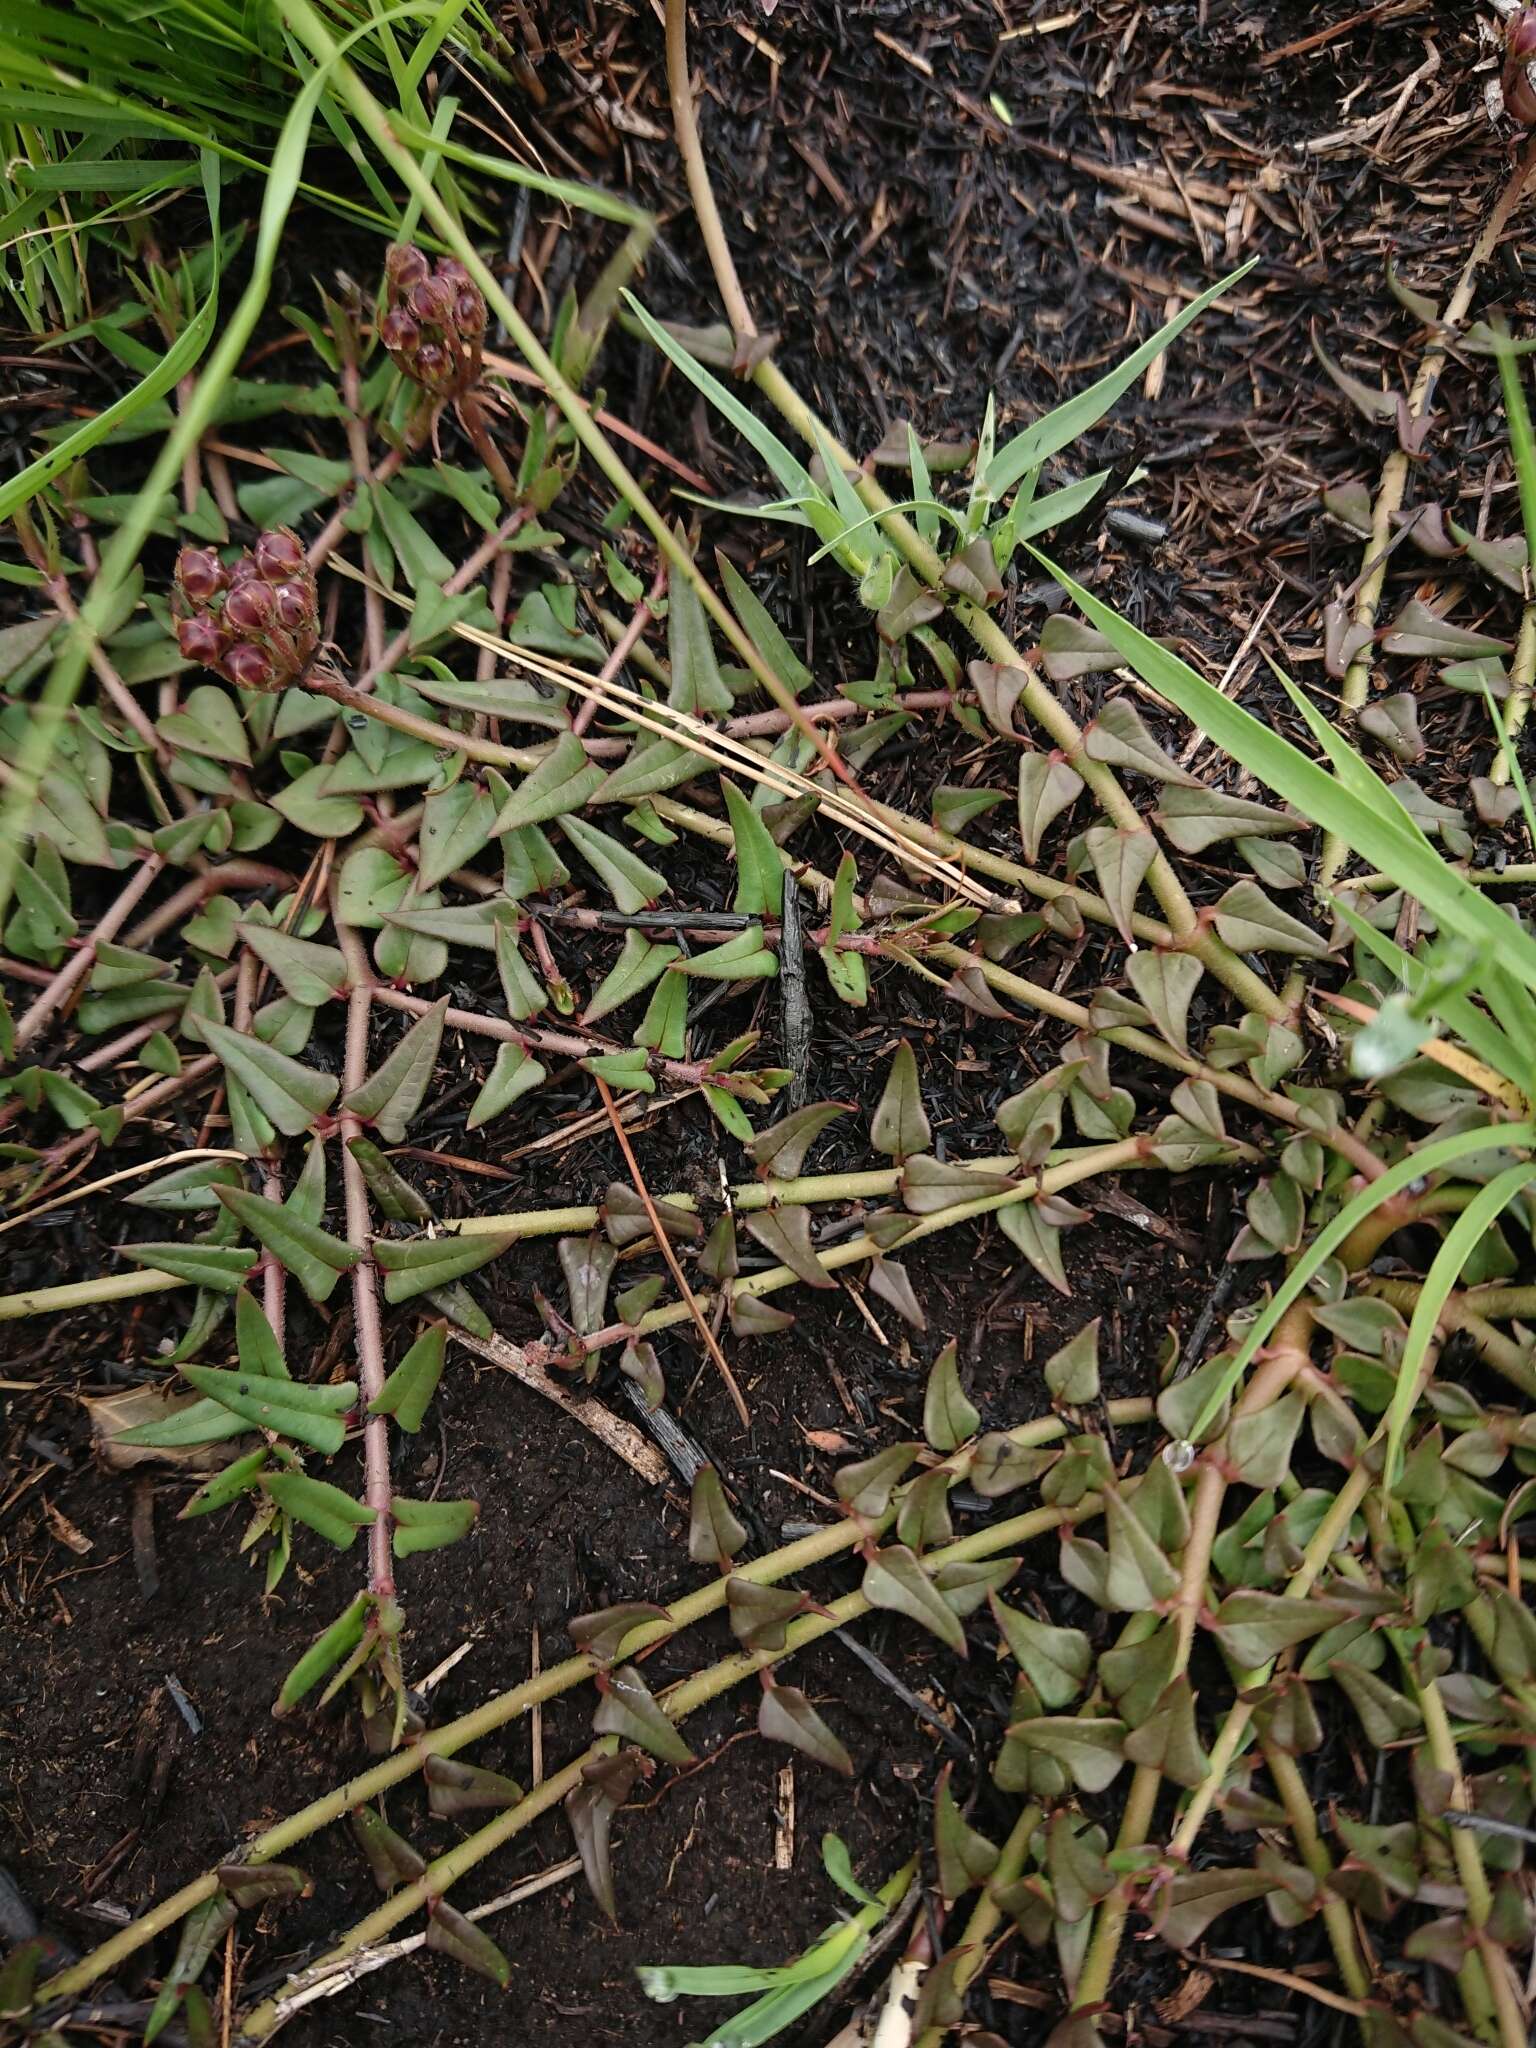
[664, 1243]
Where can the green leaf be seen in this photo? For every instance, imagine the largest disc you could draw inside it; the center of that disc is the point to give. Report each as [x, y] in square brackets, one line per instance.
[949, 1417]
[408, 1391]
[784, 1714]
[209, 723]
[780, 1150]
[430, 1524]
[626, 1709]
[414, 1266]
[742, 957]
[391, 1096]
[1090, 1751]
[309, 1415]
[1121, 857]
[895, 1579]
[965, 1857]
[638, 965]
[1056, 1661]
[289, 1095]
[1166, 983]
[314, 1258]
[525, 995]
[225, 1487]
[186, 1190]
[899, 1126]
[1250, 923]
[563, 781]
[450, 1934]
[1253, 1627]
[219, 1268]
[714, 1533]
[1072, 1373]
[786, 1234]
[514, 1072]
[697, 685]
[865, 1488]
[454, 1788]
[1140, 1574]
[1029, 450]
[1047, 787]
[319, 1506]
[762, 629]
[455, 824]
[1119, 737]
[632, 885]
[759, 865]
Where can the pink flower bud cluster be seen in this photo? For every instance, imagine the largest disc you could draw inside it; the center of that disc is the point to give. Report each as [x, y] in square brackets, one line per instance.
[432, 321]
[257, 621]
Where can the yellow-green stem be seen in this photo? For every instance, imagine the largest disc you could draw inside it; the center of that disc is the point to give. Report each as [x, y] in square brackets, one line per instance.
[1297, 1801]
[986, 1913]
[678, 1702]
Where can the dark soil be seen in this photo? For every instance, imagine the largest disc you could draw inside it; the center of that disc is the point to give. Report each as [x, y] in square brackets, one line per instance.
[913, 252]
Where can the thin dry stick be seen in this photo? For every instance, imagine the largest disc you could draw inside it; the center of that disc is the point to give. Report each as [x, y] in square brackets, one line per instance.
[623, 647]
[621, 1437]
[711, 1342]
[871, 820]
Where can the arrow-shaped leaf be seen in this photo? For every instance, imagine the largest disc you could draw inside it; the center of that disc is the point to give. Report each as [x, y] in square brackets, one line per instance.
[287, 1093]
[390, 1097]
[415, 1265]
[408, 1391]
[314, 1258]
[309, 1415]
[894, 1578]
[562, 782]
[430, 1524]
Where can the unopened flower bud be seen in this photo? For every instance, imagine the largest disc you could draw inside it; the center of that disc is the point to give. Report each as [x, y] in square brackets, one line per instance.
[453, 270]
[249, 607]
[250, 667]
[295, 606]
[405, 265]
[432, 301]
[398, 331]
[469, 314]
[202, 639]
[431, 362]
[200, 575]
[278, 554]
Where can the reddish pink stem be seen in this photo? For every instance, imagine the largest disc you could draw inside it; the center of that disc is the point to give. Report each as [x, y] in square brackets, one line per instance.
[623, 647]
[367, 1323]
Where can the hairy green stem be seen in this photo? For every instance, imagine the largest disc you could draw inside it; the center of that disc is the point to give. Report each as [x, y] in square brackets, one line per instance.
[1337, 1919]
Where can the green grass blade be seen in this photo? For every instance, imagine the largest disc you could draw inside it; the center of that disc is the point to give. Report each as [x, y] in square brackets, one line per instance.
[793, 478]
[1461, 1240]
[1037, 443]
[1368, 827]
[1428, 1159]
